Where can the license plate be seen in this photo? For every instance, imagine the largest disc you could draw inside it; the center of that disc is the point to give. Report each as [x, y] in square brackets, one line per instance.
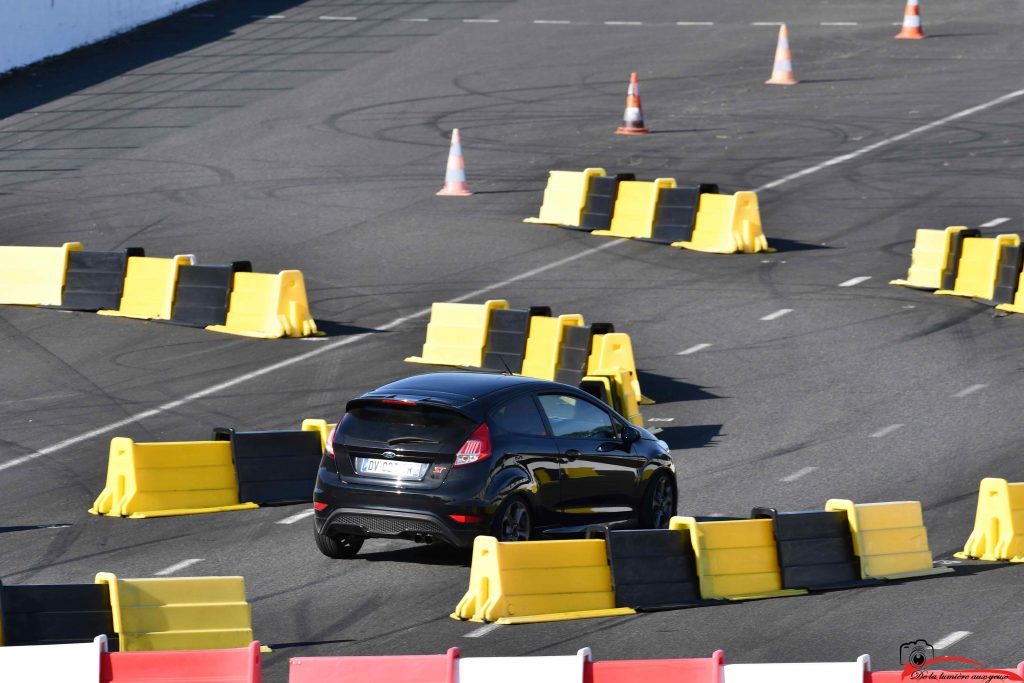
[402, 469]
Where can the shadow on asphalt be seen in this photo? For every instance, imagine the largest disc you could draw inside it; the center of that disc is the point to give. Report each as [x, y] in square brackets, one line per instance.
[690, 436]
[437, 554]
[333, 329]
[662, 389]
[308, 643]
[783, 245]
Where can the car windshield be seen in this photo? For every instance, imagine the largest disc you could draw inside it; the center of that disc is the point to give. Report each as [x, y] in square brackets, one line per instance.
[393, 424]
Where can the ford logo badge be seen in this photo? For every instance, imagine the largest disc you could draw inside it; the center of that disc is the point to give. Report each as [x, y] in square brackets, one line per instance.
[389, 454]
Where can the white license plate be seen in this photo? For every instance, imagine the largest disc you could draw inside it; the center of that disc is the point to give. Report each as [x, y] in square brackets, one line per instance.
[403, 469]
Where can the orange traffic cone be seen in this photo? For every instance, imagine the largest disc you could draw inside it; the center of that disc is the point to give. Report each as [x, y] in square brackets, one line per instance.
[911, 22]
[633, 118]
[455, 184]
[782, 72]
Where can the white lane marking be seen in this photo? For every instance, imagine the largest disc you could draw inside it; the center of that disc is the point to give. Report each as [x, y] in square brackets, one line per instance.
[969, 390]
[885, 431]
[693, 349]
[327, 17]
[954, 637]
[839, 23]
[482, 631]
[480, 21]
[297, 517]
[414, 19]
[889, 141]
[766, 23]
[551, 21]
[661, 419]
[802, 472]
[994, 222]
[777, 314]
[623, 23]
[854, 281]
[695, 23]
[167, 571]
[266, 16]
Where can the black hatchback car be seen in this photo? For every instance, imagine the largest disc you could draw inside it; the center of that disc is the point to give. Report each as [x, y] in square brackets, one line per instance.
[453, 455]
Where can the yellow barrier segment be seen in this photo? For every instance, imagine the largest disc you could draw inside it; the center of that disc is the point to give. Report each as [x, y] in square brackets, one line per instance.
[889, 538]
[619, 387]
[317, 425]
[636, 205]
[149, 287]
[928, 258]
[164, 479]
[614, 351]
[268, 306]
[208, 613]
[533, 581]
[544, 343]
[34, 276]
[565, 197]
[736, 559]
[979, 266]
[727, 224]
[457, 333]
[998, 524]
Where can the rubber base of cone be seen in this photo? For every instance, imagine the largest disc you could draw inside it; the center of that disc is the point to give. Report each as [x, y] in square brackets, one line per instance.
[460, 190]
[632, 131]
[912, 34]
[782, 81]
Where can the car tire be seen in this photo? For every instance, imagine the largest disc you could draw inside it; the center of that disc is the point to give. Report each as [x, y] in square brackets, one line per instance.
[659, 504]
[512, 522]
[340, 547]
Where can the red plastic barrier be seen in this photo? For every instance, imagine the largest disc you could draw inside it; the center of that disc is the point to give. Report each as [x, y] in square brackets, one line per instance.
[899, 676]
[401, 669]
[705, 670]
[237, 665]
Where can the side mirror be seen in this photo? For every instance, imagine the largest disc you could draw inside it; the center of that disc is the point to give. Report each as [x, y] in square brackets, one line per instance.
[630, 436]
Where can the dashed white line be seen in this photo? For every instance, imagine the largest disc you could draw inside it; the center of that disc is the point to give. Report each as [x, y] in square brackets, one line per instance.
[854, 281]
[885, 431]
[994, 222]
[661, 419]
[418, 20]
[969, 390]
[777, 314]
[482, 631]
[480, 21]
[839, 23]
[766, 23]
[623, 23]
[695, 23]
[802, 472]
[954, 637]
[693, 349]
[330, 18]
[551, 21]
[167, 571]
[297, 517]
[266, 16]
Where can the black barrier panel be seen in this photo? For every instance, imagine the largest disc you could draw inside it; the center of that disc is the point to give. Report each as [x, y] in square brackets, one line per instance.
[653, 568]
[507, 331]
[574, 352]
[1011, 258]
[95, 279]
[202, 293]
[274, 468]
[601, 193]
[956, 247]
[56, 614]
[676, 214]
[815, 548]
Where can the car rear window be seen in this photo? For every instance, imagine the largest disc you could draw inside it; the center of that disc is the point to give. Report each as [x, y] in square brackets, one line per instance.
[384, 422]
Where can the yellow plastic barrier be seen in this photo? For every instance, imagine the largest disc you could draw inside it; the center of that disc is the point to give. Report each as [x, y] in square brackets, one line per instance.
[34, 276]
[534, 581]
[208, 613]
[149, 287]
[889, 538]
[268, 306]
[929, 257]
[618, 387]
[565, 197]
[635, 207]
[318, 425]
[543, 344]
[457, 334]
[736, 559]
[727, 224]
[614, 351]
[164, 479]
[979, 266]
[998, 524]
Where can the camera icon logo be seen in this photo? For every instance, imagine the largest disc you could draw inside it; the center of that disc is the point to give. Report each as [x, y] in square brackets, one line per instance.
[916, 652]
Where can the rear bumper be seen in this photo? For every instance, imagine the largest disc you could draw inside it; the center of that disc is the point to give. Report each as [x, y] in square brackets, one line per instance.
[412, 525]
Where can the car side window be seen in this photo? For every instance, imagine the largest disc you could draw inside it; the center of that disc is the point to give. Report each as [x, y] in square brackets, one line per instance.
[518, 416]
[574, 417]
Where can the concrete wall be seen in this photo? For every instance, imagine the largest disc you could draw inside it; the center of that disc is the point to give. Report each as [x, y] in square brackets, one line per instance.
[31, 30]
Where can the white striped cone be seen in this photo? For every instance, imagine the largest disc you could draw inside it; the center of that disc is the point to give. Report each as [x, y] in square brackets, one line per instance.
[911, 22]
[455, 184]
[633, 117]
[782, 71]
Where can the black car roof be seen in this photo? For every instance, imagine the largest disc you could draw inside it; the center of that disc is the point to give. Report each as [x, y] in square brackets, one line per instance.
[457, 389]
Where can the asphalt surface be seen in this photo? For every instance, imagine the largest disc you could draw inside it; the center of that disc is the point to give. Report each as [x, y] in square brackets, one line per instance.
[317, 144]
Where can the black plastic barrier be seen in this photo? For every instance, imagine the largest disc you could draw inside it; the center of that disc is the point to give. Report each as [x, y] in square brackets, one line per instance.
[202, 293]
[676, 214]
[274, 467]
[653, 569]
[601, 193]
[507, 331]
[1011, 259]
[574, 353]
[956, 248]
[815, 548]
[95, 279]
[56, 614]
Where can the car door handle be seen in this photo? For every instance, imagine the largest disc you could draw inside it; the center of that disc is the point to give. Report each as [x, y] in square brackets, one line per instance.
[572, 454]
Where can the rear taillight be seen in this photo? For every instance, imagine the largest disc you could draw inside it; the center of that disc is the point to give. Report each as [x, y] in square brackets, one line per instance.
[466, 519]
[398, 402]
[329, 446]
[477, 447]
[319, 506]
